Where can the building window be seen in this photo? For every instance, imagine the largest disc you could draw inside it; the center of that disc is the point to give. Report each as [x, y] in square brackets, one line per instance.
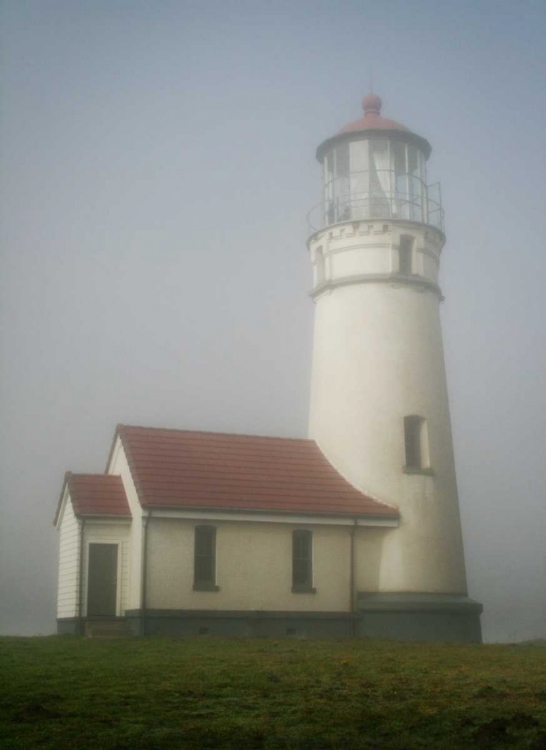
[204, 569]
[405, 255]
[302, 561]
[416, 445]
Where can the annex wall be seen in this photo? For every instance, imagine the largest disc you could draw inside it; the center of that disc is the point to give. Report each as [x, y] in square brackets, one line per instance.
[119, 465]
[67, 591]
[253, 568]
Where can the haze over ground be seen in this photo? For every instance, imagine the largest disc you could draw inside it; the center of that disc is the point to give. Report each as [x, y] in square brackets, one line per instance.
[157, 167]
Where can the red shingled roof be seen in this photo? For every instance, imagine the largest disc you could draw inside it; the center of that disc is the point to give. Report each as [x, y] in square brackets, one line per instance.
[183, 469]
[95, 495]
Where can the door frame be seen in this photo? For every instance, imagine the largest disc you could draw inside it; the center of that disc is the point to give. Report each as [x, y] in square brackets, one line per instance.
[116, 542]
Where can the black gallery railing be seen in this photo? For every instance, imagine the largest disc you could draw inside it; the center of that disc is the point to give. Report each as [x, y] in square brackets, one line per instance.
[416, 206]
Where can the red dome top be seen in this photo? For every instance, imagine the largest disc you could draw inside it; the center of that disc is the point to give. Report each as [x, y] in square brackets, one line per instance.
[372, 103]
[372, 121]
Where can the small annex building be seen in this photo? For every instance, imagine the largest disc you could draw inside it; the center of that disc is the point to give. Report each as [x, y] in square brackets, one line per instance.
[197, 532]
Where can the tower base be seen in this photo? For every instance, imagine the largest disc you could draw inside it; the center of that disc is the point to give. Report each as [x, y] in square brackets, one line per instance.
[420, 617]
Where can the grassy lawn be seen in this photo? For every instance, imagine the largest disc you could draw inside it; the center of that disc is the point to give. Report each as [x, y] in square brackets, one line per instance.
[63, 692]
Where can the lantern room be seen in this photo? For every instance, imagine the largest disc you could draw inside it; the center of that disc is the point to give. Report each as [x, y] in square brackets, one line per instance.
[376, 169]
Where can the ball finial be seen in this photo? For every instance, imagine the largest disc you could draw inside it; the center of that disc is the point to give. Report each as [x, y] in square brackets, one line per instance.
[371, 103]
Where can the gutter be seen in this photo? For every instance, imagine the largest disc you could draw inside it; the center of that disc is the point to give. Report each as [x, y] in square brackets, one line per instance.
[352, 579]
[80, 587]
[145, 521]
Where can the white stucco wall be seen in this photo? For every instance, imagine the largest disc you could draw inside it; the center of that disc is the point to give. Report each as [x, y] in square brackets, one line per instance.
[109, 532]
[67, 592]
[378, 357]
[118, 465]
[254, 567]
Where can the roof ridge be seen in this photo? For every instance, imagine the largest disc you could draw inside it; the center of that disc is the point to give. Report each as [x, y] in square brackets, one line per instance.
[122, 426]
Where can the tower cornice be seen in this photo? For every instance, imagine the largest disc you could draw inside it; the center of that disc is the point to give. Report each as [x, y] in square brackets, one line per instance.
[394, 279]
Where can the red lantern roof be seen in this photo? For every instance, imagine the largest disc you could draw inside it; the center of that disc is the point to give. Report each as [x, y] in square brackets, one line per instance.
[374, 124]
[372, 119]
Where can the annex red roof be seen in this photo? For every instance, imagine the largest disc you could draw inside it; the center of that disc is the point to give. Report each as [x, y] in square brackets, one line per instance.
[184, 469]
[374, 124]
[95, 495]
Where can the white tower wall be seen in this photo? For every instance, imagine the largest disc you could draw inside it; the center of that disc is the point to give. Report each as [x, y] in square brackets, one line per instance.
[377, 358]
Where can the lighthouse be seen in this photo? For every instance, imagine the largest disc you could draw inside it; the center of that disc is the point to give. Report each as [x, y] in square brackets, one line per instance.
[353, 531]
[379, 407]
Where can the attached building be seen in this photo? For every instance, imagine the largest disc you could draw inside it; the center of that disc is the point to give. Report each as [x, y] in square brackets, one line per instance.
[191, 532]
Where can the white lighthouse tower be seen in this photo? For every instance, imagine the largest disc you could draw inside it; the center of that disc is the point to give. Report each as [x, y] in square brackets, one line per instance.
[379, 404]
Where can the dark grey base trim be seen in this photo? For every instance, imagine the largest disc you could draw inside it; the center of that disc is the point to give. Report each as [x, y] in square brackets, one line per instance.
[405, 617]
[70, 626]
[86, 625]
[420, 617]
[240, 623]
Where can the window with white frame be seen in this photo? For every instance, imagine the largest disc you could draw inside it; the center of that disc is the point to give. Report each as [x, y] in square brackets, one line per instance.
[302, 561]
[204, 569]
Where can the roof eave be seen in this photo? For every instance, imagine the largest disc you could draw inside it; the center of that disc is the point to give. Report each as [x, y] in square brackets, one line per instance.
[393, 515]
[57, 518]
[106, 516]
[400, 135]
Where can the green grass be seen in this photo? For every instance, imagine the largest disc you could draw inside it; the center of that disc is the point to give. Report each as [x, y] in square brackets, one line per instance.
[122, 694]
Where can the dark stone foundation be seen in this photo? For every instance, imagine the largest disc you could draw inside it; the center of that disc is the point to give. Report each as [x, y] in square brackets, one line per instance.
[420, 617]
[252, 624]
[402, 617]
[70, 626]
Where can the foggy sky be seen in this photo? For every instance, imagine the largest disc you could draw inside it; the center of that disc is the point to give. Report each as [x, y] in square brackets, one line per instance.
[157, 167]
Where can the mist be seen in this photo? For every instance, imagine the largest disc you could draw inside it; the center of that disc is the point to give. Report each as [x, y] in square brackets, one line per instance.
[158, 166]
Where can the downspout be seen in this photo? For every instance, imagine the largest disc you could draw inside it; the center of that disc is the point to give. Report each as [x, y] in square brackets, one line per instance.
[352, 578]
[80, 586]
[145, 521]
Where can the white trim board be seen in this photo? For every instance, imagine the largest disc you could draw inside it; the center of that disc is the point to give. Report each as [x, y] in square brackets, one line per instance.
[241, 516]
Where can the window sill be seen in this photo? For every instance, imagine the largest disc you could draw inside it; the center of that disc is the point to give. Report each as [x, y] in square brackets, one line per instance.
[304, 590]
[426, 470]
[205, 587]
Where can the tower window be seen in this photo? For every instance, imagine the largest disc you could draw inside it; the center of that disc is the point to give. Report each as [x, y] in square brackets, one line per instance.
[204, 569]
[319, 266]
[416, 445]
[405, 255]
[302, 561]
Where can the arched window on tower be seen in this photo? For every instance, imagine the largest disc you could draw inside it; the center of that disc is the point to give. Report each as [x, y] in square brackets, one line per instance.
[405, 255]
[416, 445]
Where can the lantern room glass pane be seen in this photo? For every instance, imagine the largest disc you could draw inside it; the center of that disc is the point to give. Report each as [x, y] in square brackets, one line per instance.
[360, 179]
[342, 195]
[380, 178]
[329, 187]
[414, 179]
[401, 190]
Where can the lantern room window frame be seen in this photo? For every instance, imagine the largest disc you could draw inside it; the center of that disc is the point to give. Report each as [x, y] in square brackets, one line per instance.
[369, 178]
